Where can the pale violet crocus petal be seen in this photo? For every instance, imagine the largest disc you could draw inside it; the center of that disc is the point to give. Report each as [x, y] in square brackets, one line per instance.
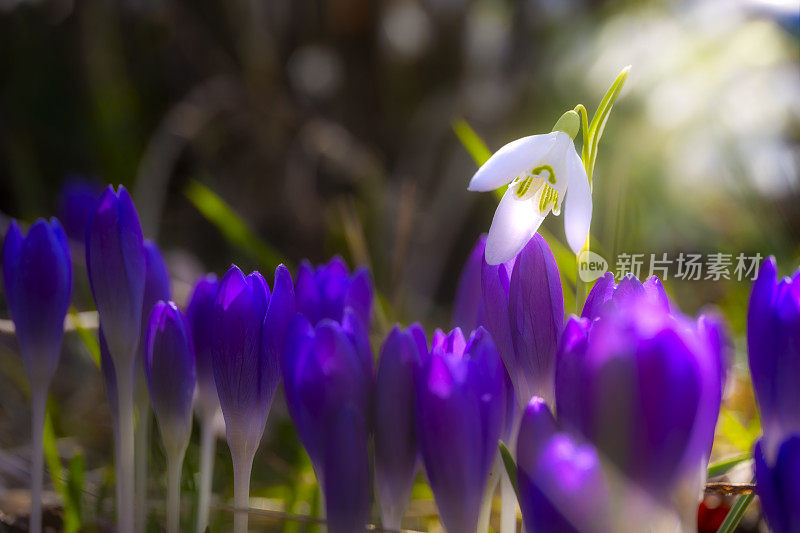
[513, 159]
[578, 208]
[513, 225]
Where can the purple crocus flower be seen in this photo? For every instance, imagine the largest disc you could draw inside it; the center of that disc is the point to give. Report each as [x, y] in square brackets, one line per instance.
[778, 484]
[396, 447]
[169, 367]
[200, 316]
[606, 293]
[468, 305]
[248, 335]
[460, 410]
[328, 392]
[643, 385]
[37, 275]
[773, 343]
[524, 311]
[561, 483]
[327, 290]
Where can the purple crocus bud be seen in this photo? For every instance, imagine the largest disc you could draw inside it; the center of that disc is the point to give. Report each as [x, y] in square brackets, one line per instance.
[328, 395]
[116, 266]
[200, 317]
[524, 311]
[169, 366]
[110, 378]
[607, 293]
[468, 306]
[325, 292]
[237, 319]
[76, 202]
[156, 283]
[778, 484]
[37, 276]
[396, 448]
[773, 343]
[561, 483]
[460, 410]
[642, 385]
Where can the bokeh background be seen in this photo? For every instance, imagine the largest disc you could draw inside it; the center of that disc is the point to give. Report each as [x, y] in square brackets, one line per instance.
[275, 130]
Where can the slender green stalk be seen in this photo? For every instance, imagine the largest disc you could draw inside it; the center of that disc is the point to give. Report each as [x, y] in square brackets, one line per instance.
[207, 442]
[242, 467]
[125, 451]
[39, 407]
[735, 514]
[174, 466]
[142, 449]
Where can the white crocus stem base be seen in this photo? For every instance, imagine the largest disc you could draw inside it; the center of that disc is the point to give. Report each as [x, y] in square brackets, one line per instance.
[39, 409]
[142, 449]
[174, 467]
[125, 451]
[207, 446]
[488, 495]
[242, 467]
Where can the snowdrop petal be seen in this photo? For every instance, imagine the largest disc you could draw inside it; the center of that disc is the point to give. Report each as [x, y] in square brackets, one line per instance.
[578, 209]
[511, 160]
[514, 223]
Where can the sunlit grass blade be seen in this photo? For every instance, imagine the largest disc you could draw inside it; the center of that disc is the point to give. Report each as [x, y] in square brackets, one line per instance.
[511, 467]
[74, 493]
[231, 225]
[601, 116]
[476, 147]
[735, 514]
[726, 465]
[88, 338]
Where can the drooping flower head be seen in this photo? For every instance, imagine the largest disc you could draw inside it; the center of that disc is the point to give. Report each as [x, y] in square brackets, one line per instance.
[460, 416]
[773, 344]
[37, 276]
[169, 367]
[606, 293]
[200, 318]
[328, 392]
[116, 266]
[246, 368]
[396, 447]
[644, 386]
[542, 172]
[327, 290]
[524, 311]
[778, 484]
[561, 482]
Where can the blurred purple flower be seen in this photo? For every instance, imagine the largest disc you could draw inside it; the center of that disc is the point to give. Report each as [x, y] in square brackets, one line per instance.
[328, 392]
[76, 202]
[396, 447]
[460, 414]
[170, 370]
[778, 484]
[37, 276]
[200, 317]
[773, 343]
[156, 283]
[116, 266]
[468, 305]
[561, 483]
[327, 290]
[607, 293]
[524, 311]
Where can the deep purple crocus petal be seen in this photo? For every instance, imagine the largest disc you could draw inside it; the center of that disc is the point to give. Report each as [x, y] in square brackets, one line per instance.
[535, 430]
[778, 484]
[116, 267]
[200, 316]
[38, 284]
[564, 490]
[358, 295]
[396, 448]
[467, 305]
[236, 357]
[169, 365]
[598, 296]
[306, 294]
[156, 283]
[278, 317]
[359, 336]
[569, 368]
[495, 283]
[333, 280]
[654, 290]
[713, 328]
[76, 203]
[109, 377]
[260, 290]
[536, 314]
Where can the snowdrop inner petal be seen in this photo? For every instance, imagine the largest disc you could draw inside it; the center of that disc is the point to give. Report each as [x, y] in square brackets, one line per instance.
[513, 225]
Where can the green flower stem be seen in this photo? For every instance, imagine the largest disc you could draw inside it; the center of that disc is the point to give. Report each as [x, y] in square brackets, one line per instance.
[735, 514]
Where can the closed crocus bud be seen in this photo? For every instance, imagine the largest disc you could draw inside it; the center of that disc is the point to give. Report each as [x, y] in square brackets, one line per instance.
[156, 283]
[116, 265]
[524, 311]
[328, 394]
[468, 305]
[460, 410]
[607, 293]
[327, 290]
[169, 367]
[561, 484]
[200, 317]
[37, 276]
[396, 448]
[778, 484]
[773, 344]
[643, 386]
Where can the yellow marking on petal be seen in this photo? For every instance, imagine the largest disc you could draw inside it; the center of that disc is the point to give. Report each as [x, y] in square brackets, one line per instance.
[548, 197]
